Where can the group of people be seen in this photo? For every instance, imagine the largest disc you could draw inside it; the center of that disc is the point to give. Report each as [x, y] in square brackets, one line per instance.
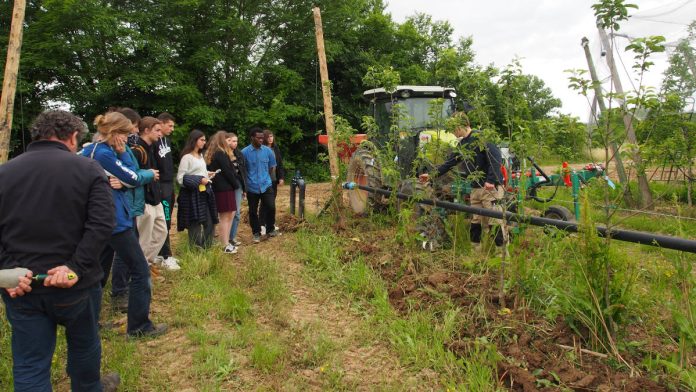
[110, 215]
[215, 176]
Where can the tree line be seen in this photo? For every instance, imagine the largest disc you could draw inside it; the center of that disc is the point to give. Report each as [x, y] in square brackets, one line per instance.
[223, 64]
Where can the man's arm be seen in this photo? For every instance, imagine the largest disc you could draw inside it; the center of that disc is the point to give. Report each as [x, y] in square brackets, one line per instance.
[495, 161]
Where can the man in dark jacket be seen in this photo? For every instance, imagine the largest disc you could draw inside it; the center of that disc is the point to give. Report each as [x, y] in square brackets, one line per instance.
[479, 163]
[56, 214]
[165, 162]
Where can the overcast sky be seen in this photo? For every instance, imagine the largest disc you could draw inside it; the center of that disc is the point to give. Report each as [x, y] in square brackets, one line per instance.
[546, 35]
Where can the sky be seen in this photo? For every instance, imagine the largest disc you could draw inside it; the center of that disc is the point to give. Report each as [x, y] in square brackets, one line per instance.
[546, 34]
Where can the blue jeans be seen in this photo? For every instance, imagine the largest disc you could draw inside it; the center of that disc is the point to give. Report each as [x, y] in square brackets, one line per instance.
[237, 214]
[34, 318]
[127, 248]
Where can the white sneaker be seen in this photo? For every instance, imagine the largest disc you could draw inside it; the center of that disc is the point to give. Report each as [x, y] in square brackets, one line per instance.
[230, 249]
[236, 242]
[159, 259]
[263, 230]
[171, 264]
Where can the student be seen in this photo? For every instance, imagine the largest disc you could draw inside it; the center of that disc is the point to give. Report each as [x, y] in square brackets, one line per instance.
[260, 162]
[219, 157]
[239, 166]
[152, 225]
[197, 212]
[62, 202]
[165, 163]
[277, 175]
[111, 154]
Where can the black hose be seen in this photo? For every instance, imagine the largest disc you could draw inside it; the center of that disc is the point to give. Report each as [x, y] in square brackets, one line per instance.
[638, 237]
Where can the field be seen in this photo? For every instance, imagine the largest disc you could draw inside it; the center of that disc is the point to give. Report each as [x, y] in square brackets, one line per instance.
[355, 304]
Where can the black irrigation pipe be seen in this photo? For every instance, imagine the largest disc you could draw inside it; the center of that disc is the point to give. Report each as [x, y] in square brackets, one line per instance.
[637, 237]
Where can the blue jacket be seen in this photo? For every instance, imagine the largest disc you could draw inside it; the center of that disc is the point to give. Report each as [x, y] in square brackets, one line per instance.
[125, 169]
[136, 196]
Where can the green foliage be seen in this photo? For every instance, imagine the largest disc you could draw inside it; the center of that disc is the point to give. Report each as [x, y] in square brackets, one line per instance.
[610, 12]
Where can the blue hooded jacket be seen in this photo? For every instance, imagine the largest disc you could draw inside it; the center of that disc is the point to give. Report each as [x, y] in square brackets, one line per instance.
[123, 167]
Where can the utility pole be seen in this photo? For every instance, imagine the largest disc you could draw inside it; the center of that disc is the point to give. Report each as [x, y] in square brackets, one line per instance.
[599, 98]
[646, 200]
[326, 91]
[9, 84]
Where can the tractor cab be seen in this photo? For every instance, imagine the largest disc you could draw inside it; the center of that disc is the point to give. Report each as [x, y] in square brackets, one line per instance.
[417, 124]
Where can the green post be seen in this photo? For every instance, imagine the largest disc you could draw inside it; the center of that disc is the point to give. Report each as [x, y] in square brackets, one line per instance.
[575, 180]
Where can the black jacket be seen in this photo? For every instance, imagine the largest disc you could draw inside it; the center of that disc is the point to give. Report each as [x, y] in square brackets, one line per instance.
[145, 154]
[55, 209]
[165, 160]
[483, 165]
[241, 168]
[226, 180]
[280, 169]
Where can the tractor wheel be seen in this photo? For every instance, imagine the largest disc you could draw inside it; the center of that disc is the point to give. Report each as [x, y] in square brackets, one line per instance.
[559, 213]
[364, 169]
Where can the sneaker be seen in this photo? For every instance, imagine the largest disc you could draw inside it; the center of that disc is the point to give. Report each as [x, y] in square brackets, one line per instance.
[157, 330]
[171, 264]
[230, 249]
[263, 230]
[159, 259]
[236, 242]
[110, 382]
[256, 239]
[274, 233]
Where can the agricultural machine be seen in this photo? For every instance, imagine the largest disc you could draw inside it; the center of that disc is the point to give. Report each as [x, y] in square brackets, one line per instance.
[415, 133]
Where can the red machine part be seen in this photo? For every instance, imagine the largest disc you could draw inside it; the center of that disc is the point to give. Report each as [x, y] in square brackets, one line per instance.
[345, 150]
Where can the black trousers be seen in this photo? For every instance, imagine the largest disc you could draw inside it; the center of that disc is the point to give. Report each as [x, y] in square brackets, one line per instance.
[262, 204]
[168, 204]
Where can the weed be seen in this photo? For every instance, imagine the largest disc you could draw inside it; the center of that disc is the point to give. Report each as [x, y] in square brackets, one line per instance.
[235, 305]
[268, 353]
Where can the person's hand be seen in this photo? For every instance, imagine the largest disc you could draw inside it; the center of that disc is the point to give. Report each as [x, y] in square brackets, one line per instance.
[156, 172]
[58, 277]
[205, 181]
[119, 145]
[115, 183]
[22, 288]
[424, 177]
[281, 182]
[488, 186]
[211, 174]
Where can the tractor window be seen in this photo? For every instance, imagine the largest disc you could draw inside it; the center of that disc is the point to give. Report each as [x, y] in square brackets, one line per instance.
[415, 110]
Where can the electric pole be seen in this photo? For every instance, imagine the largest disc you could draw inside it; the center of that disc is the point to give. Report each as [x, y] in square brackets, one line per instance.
[9, 84]
[599, 98]
[646, 201]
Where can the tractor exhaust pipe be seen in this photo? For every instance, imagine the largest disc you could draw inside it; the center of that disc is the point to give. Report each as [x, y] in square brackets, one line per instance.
[638, 237]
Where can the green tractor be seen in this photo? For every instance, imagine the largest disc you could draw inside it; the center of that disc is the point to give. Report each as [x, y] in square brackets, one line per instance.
[413, 132]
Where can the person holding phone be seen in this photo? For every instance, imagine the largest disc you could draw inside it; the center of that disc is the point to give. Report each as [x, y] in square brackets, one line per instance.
[197, 212]
[219, 159]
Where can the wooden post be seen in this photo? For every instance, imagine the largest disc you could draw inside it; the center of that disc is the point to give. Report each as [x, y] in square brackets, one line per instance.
[326, 91]
[646, 200]
[9, 84]
[599, 97]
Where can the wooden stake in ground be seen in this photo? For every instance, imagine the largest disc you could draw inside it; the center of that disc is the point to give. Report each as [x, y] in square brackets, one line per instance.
[326, 91]
[9, 84]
